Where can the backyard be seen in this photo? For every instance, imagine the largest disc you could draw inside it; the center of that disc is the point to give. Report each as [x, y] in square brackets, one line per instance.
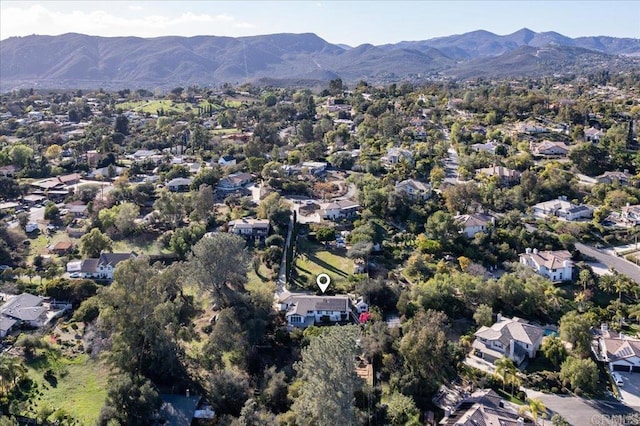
[313, 259]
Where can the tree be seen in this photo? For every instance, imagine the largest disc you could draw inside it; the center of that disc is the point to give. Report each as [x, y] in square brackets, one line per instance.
[276, 209]
[327, 369]
[483, 315]
[325, 234]
[30, 343]
[51, 212]
[11, 371]
[203, 202]
[441, 227]
[127, 213]
[131, 400]
[590, 159]
[219, 264]
[122, 125]
[53, 152]
[20, 155]
[536, 407]
[574, 328]
[554, 350]
[505, 369]
[402, 410]
[93, 243]
[558, 420]
[460, 197]
[425, 349]
[579, 374]
[141, 311]
[184, 238]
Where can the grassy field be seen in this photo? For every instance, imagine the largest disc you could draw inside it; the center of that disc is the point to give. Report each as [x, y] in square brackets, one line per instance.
[79, 386]
[315, 259]
[152, 107]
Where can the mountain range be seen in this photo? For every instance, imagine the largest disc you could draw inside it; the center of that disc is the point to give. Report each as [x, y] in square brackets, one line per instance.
[82, 61]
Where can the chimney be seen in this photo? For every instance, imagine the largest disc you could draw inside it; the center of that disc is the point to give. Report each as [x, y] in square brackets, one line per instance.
[512, 348]
[520, 421]
[499, 317]
[535, 251]
[447, 412]
[604, 327]
[527, 250]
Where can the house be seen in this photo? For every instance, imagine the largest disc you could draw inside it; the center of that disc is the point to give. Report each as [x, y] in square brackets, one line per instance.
[506, 177]
[177, 410]
[31, 227]
[77, 208]
[8, 171]
[314, 167]
[472, 224]
[593, 135]
[340, 209]
[234, 182]
[620, 351]
[396, 155]
[548, 148]
[489, 147]
[61, 248]
[227, 160]
[531, 128]
[23, 309]
[416, 190]
[513, 337]
[33, 199]
[562, 208]
[179, 184]
[306, 310]
[555, 265]
[483, 407]
[630, 214]
[623, 178]
[100, 268]
[256, 228]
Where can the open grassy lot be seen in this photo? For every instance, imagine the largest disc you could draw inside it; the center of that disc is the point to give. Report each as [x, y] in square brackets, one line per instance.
[314, 259]
[153, 106]
[71, 383]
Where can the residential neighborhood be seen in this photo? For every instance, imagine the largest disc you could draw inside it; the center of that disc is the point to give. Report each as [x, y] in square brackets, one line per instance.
[479, 242]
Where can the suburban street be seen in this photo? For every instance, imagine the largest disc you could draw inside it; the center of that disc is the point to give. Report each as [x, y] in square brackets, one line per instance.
[581, 411]
[618, 263]
[451, 165]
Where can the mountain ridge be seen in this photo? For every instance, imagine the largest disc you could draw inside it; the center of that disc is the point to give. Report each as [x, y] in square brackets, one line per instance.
[74, 59]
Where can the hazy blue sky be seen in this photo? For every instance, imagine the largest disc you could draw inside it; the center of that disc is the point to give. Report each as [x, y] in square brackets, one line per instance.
[349, 22]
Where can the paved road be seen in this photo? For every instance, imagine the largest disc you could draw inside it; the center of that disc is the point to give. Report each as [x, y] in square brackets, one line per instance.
[581, 411]
[618, 263]
[451, 165]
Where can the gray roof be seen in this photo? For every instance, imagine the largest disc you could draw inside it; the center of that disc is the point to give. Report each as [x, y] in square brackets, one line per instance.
[180, 182]
[89, 266]
[178, 410]
[511, 328]
[25, 307]
[114, 258]
[6, 323]
[302, 304]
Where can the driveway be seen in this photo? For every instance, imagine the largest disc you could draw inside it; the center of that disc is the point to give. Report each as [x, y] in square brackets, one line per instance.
[630, 391]
[581, 411]
[618, 263]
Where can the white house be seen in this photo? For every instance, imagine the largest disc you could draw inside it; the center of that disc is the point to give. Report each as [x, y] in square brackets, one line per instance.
[559, 149]
[631, 214]
[555, 265]
[416, 190]
[340, 209]
[620, 351]
[100, 268]
[593, 135]
[179, 184]
[513, 337]
[395, 155]
[250, 227]
[474, 223]
[227, 160]
[305, 310]
[562, 208]
[234, 182]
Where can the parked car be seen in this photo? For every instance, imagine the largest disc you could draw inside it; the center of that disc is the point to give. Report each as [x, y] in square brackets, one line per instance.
[74, 275]
[617, 378]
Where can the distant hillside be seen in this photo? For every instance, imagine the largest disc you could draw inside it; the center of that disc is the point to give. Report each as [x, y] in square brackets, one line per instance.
[77, 61]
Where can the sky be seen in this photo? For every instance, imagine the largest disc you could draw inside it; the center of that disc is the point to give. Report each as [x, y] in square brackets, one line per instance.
[337, 21]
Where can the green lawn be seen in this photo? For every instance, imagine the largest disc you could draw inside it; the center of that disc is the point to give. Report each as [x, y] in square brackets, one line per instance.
[153, 106]
[315, 259]
[79, 388]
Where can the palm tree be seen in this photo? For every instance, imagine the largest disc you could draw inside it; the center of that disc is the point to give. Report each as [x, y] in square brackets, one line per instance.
[535, 407]
[504, 369]
[11, 369]
[553, 295]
